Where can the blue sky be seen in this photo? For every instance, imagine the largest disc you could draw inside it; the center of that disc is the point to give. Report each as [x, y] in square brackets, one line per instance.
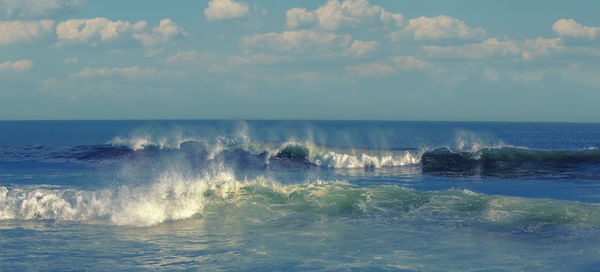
[462, 60]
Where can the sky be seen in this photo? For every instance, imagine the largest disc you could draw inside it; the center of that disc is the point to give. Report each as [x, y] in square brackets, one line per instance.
[430, 60]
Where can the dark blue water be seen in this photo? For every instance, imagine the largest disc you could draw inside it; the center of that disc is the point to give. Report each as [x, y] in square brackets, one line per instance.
[299, 195]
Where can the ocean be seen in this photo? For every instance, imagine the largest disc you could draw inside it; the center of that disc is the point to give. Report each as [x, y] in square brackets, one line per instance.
[299, 195]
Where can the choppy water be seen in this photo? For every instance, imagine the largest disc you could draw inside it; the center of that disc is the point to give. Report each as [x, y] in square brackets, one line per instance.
[298, 195]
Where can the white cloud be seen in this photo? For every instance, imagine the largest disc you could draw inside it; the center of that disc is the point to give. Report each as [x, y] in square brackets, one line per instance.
[299, 41]
[20, 31]
[299, 16]
[361, 48]
[437, 28]
[349, 13]
[131, 73]
[17, 66]
[103, 29]
[540, 47]
[225, 9]
[396, 64]
[27, 9]
[492, 47]
[165, 31]
[570, 28]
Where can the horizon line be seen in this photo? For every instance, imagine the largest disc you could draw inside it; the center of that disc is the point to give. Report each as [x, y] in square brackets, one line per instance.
[307, 120]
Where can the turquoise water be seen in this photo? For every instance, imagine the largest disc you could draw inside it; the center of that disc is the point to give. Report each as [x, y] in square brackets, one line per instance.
[299, 195]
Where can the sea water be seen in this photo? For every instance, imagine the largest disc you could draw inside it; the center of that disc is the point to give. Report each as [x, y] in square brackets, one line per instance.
[299, 195]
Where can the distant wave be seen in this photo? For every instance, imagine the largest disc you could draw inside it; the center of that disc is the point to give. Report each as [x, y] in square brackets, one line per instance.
[173, 197]
[493, 160]
[248, 154]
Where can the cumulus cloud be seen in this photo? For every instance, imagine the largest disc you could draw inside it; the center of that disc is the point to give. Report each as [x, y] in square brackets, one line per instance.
[165, 31]
[27, 9]
[361, 48]
[103, 29]
[299, 41]
[492, 47]
[437, 28]
[349, 13]
[131, 73]
[396, 64]
[225, 9]
[299, 16]
[540, 47]
[17, 66]
[20, 31]
[570, 28]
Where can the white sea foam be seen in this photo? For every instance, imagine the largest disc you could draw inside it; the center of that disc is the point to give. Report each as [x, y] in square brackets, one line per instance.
[140, 142]
[170, 197]
[384, 159]
[353, 157]
[55, 204]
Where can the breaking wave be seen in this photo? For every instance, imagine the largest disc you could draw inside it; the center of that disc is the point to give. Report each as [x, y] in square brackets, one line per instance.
[248, 154]
[239, 152]
[174, 197]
